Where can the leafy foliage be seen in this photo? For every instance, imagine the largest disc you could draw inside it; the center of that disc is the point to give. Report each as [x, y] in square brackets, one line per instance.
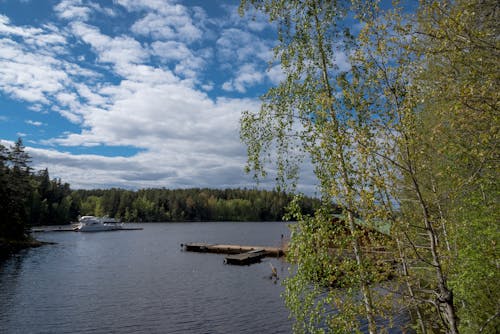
[407, 135]
[458, 84]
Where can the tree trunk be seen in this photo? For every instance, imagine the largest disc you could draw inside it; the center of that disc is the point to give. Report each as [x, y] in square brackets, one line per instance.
[406, 276]
[365, 289]
[445, 295]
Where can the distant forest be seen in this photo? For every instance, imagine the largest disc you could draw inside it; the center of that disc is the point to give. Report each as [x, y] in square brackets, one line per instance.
[29, 198]
[162, 205]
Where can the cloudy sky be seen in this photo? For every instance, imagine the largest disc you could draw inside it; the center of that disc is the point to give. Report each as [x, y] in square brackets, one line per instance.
[133, 93]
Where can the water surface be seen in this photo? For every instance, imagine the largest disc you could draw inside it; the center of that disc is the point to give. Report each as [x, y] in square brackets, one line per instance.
[141, 282]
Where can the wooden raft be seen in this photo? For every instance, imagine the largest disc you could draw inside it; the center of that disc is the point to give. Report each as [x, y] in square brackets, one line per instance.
[238, 254]
[246, 258]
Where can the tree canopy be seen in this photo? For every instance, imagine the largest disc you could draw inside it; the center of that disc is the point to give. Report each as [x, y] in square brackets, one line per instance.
[165, 205]
[407, 135]
[30, 198]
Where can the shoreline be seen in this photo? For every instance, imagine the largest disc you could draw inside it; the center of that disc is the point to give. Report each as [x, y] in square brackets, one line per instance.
[10, 247]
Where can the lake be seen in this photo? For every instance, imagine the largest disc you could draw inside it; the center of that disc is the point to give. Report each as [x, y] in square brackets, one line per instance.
[142, 282]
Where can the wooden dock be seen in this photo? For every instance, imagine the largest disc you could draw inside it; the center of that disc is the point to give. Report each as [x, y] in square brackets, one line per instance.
[246, 258]
[58, 228]
[70, 228]
[238, 254]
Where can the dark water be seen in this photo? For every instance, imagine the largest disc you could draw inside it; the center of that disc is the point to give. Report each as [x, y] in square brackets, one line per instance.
[141, 282]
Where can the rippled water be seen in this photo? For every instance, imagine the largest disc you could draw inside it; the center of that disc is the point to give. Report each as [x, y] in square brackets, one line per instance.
[141, 282]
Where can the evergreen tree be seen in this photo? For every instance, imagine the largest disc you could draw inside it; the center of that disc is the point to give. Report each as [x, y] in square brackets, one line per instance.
[16, 190]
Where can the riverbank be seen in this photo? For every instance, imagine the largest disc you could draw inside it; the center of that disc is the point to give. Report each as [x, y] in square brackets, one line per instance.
[9, 247]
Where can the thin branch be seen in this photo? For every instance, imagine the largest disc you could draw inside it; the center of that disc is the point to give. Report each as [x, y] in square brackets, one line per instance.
[488, 321]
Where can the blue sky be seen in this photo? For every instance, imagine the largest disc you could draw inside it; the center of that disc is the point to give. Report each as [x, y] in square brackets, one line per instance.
[133, 93]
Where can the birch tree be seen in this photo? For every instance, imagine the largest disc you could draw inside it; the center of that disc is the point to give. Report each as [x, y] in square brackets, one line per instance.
[457, 84]
[312, 112]
[407, 135]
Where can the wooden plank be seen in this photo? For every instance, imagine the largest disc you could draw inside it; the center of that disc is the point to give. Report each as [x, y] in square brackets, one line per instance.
[230, 249]
[246, 258]
[63, 228]
[196, 247]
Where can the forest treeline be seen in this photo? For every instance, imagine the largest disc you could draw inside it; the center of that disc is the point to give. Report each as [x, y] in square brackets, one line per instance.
[30, 198]
[164, 205]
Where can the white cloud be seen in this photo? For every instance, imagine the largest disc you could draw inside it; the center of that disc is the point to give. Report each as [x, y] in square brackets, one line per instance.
[276, 74]
[208, 86]
[36, 107]
[183, 136]
[105, 10]
[34, 123]
[236, 44]
[253, 20]
[246, 76]
[180, 129]
[342, 61]
[79, 10]
[186, 63]
[141, 114]
[165, 20]
[48, 36]
[27, 75]
[90, 96]
[31, 69]
[171, 50]
[69, 115]
[72, 10]
[246, 56]
[120, 51]
[177, 168]
[7, 29]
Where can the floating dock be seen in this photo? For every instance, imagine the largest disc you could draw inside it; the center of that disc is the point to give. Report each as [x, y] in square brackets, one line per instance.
[246, 258]
[230, 249]
[69, 228]
[238, 254]
[61, 228]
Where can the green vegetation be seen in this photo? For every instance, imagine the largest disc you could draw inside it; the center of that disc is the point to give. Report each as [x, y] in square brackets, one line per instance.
[406, 134]
[28, 198]
[164, 205]
[14, 190]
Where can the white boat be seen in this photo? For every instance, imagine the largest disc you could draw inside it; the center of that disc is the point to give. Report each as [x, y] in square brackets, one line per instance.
[96, 224]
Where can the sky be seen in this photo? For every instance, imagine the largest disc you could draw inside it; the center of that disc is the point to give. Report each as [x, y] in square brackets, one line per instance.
[134, 93]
